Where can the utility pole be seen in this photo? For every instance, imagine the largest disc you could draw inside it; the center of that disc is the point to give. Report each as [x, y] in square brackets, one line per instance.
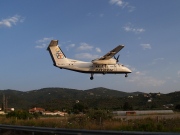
[4, 104]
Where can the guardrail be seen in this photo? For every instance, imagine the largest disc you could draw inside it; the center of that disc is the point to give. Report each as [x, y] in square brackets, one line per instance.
[60, 131]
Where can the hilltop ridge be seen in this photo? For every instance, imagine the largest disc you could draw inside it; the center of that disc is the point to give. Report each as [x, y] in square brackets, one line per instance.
[59, 98]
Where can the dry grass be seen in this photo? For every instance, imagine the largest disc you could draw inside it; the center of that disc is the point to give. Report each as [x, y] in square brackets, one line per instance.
[83, 122]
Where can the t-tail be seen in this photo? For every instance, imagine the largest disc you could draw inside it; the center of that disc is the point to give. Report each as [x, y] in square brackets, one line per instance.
[58, 57]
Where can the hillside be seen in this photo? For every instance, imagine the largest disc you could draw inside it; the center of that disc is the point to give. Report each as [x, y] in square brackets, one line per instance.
[57, 97]
[63, 98]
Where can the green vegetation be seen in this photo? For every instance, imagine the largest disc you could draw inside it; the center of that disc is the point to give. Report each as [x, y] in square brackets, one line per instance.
[177, 107]
[79, 108]
[24, 115]
[127, 106]
[98, 98]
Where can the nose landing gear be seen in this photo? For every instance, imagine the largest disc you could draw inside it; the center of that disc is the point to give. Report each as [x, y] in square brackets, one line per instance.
[91, 78]
[126, 75]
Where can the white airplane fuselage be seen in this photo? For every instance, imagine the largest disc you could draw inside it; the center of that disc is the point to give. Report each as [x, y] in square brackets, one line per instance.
[89, 67]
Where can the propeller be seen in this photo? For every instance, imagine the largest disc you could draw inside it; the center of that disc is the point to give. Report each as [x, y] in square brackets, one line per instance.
[117, 59]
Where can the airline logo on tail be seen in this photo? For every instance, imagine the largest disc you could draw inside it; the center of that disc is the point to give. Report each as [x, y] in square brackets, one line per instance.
[59, 54]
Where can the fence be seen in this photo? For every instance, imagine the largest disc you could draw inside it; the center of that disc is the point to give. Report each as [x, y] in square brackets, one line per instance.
[59, 131]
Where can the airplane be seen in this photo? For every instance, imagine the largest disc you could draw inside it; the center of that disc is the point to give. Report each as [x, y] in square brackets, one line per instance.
[103, 65]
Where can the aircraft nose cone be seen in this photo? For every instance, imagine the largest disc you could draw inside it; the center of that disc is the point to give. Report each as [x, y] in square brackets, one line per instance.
[128, 70]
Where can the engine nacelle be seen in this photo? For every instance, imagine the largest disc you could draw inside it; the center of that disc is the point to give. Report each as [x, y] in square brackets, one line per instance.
[104, 62]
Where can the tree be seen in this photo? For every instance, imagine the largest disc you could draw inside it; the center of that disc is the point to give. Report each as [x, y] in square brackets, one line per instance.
[22, 115]
[79, 108]
[19, 115]
[177, 107]
[127, 106]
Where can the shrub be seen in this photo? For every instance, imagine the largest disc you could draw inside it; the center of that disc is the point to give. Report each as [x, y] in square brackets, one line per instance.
[99, 115]
[19, 115]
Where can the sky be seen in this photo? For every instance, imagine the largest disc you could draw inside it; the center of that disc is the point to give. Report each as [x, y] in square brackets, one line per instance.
[88, 29]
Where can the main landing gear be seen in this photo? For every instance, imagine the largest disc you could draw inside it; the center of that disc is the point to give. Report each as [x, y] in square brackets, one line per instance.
[91, 78]
[126, 75]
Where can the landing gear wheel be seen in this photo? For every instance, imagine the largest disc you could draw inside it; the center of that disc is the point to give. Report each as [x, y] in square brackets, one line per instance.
[91, 78]
[126, 75]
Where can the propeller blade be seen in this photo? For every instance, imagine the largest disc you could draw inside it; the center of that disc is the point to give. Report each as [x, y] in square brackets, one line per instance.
[117, 59]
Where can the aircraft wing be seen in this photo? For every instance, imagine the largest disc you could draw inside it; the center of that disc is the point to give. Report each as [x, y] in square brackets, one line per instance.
[113, 52]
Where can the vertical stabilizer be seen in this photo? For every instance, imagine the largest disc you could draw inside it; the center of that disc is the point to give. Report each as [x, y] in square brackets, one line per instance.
[57, 55]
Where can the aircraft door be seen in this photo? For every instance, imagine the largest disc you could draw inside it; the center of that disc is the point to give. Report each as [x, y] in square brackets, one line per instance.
[104, 67]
